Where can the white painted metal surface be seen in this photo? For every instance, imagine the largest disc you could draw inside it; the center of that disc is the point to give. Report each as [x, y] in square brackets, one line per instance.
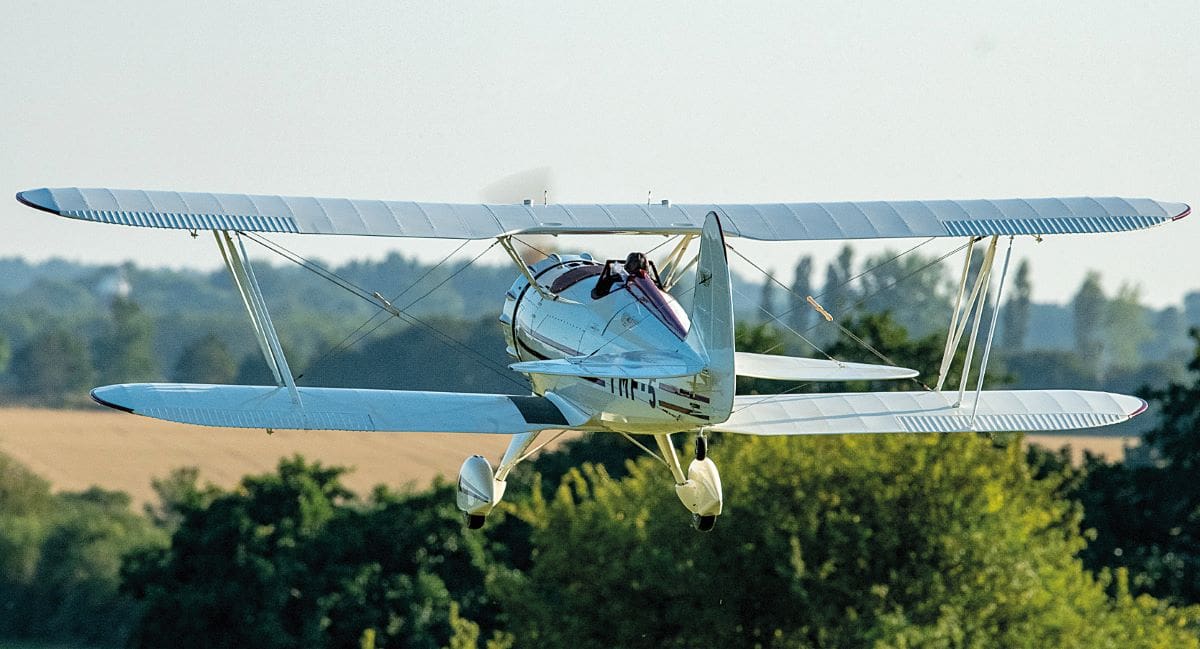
[647, 364]
[769, 221]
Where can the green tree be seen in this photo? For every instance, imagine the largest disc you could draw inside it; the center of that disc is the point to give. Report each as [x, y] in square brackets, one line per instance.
[26, 504]
[1145, 517]
[54, 367]
[1046, 369]
[1017, 310]
[293, 559]
[837, 292]
[883, 334]
[253, 368]
[1088, 307]
[1125, 328]
[910, 286]
[1191, 308]
[207, 360]
[125, 353]
[852, 541]
[799, 313]
[177, 493]
[74, 590]
[1170, 341]
[59, 559]
[766, 300]
[5, 353]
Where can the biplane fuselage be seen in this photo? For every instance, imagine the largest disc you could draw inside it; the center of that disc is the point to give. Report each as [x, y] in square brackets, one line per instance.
[626, 318]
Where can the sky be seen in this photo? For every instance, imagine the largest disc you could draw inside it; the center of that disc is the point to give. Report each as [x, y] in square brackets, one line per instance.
[609, 102]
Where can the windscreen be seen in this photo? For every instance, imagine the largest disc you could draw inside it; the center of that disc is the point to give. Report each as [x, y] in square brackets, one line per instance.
[652, 297]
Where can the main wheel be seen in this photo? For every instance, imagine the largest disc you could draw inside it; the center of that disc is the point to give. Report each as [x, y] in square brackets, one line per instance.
[475, 521]
[701, 448]
[703, 523]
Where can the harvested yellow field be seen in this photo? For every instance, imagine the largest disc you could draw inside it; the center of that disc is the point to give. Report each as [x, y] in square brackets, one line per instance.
[75, 449]
[1109, 447]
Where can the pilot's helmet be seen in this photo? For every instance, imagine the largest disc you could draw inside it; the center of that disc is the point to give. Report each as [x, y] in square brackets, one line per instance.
[635, 263]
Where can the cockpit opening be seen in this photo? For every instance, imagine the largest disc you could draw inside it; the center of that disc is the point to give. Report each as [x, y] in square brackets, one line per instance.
[639, 276]
[617, 273]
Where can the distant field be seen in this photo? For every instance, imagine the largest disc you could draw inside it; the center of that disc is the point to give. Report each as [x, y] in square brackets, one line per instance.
[75, 449]
[1109, 447]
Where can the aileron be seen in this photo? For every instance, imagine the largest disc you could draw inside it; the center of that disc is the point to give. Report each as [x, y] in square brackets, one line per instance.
[928, 412]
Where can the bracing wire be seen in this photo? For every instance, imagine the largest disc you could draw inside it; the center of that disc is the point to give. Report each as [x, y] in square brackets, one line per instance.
[362, 293]
[776, 318]
[342, 345]
[859, 303]
[864, 273]
[863, 300]
[410, 304]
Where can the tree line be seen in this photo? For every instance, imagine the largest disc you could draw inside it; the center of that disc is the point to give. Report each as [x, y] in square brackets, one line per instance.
[110, 325]
[850, 541]
[1096, 341]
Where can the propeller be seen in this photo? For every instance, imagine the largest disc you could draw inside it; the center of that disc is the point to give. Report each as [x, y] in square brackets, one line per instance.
[535, 185]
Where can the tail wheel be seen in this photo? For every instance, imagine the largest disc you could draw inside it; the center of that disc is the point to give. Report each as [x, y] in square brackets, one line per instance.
[701, 448]
[475, 521]
[703, 523]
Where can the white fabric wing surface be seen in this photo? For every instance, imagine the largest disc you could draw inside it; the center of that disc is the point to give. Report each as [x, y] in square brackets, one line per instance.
[768, 221]
[244, 406]
[927, 412]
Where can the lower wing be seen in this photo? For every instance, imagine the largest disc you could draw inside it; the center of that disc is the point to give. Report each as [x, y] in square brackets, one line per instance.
[246, 406]
[791, 368]
[928, 412]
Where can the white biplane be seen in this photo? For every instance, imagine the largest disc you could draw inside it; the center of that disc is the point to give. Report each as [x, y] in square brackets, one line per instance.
[604, 345]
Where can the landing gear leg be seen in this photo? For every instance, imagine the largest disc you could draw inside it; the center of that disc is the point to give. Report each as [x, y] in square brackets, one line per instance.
[480, 489]
[700, 489]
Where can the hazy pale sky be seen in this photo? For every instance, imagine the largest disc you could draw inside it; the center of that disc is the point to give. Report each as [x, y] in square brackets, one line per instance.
[692, 102]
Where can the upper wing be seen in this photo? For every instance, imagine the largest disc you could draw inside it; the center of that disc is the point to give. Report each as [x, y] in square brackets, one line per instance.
[247, 406]
[791, 368]
[768, 221]
[927, 412]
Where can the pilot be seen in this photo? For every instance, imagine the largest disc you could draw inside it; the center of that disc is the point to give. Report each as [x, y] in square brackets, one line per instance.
[635, 264]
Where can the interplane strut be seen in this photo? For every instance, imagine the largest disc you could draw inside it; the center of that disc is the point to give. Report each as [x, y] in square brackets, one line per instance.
[233, 251]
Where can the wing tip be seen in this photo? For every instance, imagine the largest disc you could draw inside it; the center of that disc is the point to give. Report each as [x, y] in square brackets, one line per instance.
[1187, 209]
[106, 403]
[38, 199]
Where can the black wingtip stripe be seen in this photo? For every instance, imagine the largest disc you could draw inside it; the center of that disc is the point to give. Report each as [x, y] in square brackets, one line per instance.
[539, 411]
[109, 404]
[28, 203]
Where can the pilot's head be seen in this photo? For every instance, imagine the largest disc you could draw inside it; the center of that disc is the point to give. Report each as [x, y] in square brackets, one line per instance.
[635, 263]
